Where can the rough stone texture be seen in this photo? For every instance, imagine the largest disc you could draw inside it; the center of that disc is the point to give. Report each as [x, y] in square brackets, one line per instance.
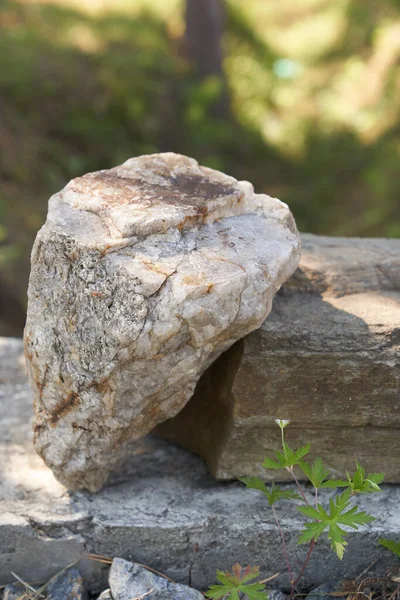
[327, 357]
[154, 511]
[274, 594]
[325, 591]
[129, 580]
[141, 277]
[14, 591]
[106, 595]
[67, 586]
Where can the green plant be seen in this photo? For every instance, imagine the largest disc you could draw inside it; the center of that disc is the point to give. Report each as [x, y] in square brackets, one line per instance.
[238, 582]
[329, 520]
[391, 545]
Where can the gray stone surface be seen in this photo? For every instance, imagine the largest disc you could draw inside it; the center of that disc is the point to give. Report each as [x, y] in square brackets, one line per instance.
[154, 511]
[322, 592]
[67, 586]
[275, 594]
[129, 580]
[327, 357]
[14, 591]
[141, 277]
[105, 595]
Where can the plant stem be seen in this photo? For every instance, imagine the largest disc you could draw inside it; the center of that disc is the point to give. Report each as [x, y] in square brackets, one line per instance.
[303, 568]
[283, 443]
[290, 469]
[285, 552]
[316, 498]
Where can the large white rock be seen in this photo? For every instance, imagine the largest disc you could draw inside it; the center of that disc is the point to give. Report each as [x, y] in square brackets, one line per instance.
[141, 277]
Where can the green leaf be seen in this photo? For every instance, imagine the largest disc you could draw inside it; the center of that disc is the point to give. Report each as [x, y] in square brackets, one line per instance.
[254, 594]
[232, 584]
[274, 494]
[309, 511]
[218, 591]
[271, 464]
[335, 483]
[316, 472]
[364, 484]
[286, 459]
[339, 514]
[254, 483]
[311, 531]
[391, 545]
[277, 494]
[352, 518]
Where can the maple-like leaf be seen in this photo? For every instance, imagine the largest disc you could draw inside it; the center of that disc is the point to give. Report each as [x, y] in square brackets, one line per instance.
[237, 582]
[287, 458]
[339, 514]
[316, 472]
[273, 494]
[364, 484]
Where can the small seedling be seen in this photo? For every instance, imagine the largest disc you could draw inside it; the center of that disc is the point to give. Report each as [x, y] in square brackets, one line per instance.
[233, 585]
[324, 520]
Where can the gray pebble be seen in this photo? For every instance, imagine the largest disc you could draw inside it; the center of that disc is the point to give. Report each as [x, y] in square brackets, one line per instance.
[128, 580]
[14, 591]
[67, 586]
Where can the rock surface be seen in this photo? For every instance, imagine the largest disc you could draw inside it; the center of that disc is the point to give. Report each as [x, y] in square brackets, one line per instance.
[67, 586]
[327, 357]
[141, 277]
[325, 591]
[129, 580]
[106, 595]
[14, 591]
[156, 510]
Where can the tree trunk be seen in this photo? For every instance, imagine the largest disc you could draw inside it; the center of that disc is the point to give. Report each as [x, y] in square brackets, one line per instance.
[204, 27]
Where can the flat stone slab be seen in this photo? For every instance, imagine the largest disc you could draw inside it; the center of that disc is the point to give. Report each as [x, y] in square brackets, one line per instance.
[162, 509]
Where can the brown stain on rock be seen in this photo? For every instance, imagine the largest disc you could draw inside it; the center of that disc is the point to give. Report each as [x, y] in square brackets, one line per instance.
[64, 407]
[194, 279]
[184, 190]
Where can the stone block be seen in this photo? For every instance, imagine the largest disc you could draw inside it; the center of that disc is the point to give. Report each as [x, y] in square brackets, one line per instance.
[161, 509]
[327, 357]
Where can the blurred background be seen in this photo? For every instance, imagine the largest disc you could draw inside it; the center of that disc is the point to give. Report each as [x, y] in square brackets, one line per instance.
[301, 97]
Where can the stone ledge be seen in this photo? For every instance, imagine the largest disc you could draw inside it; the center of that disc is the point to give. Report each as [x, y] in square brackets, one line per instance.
[154, 511]
[327, 357]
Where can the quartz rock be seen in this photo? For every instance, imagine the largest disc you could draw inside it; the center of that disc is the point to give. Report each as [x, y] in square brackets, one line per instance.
[141, 277]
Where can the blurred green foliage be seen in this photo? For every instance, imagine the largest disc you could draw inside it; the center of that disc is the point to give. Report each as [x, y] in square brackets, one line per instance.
[315, 106]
